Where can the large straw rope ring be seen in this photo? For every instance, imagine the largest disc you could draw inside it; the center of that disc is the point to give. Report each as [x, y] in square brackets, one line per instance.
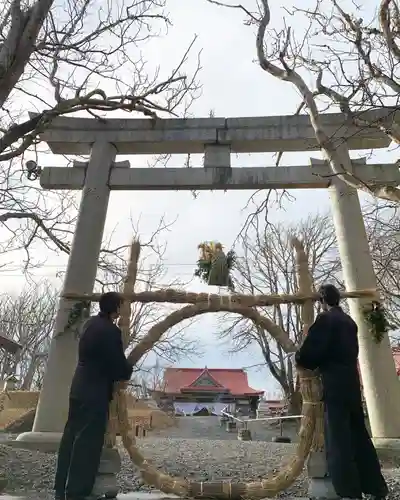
[310, 389]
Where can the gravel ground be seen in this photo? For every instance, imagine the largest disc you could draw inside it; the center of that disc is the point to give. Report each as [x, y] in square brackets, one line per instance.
[209, 428]
[197, 459]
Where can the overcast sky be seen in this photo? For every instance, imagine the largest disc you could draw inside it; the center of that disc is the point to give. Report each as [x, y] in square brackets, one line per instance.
[233, 85]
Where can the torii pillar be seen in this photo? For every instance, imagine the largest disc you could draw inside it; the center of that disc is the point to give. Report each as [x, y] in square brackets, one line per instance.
[380, 382]
[81, 272]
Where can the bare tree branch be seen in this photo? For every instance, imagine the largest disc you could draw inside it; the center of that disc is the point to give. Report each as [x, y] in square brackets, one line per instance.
[80, 56]
[359, 60]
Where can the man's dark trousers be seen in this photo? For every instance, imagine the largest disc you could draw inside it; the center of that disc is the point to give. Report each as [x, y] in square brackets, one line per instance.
[80, 449]
[353, 463]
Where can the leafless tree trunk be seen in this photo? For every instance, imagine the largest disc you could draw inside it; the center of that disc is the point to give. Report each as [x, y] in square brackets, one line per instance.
[20, 28]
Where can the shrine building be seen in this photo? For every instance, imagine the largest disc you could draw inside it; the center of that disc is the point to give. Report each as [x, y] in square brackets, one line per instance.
[206, 391]
[396, 356]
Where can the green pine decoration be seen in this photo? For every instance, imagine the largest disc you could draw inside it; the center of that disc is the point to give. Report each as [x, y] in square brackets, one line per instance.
[374, 315]
[79, 311]
[214, 266]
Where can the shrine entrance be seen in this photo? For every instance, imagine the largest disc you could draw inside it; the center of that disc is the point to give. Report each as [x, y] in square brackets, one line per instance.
[217, 138]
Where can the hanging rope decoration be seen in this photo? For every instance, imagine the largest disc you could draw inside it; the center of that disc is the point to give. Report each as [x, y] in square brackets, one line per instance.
[311, 431]
[214, 266]
[310, 389]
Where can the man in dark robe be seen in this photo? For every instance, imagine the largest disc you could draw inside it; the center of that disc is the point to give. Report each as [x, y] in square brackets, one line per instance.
[101, 362]
[331, 346]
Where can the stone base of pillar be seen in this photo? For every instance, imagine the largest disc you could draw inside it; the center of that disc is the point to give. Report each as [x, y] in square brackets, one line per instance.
[47, 442]
[388, 443]
[244, 435]
[388, 450]
[106, 480]
[223, 420]
[316, 464]
[230, 426]
[321, 488]
[320, 485]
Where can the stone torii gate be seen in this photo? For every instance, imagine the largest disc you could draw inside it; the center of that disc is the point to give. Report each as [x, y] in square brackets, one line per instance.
[217, 138]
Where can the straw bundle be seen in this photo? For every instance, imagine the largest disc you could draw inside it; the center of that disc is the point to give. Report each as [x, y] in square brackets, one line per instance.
[305, 284]
[119, 399]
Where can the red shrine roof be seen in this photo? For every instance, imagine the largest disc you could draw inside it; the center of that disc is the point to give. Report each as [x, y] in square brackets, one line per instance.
[233, 380]
[396, 357]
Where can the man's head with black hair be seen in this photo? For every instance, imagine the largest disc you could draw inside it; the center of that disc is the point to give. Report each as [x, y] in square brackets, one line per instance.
[330, 296]
[110, 304]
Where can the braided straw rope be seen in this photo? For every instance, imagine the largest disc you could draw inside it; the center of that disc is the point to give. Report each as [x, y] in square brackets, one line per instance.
[311, 431]
[181, 297]
[309, 385]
